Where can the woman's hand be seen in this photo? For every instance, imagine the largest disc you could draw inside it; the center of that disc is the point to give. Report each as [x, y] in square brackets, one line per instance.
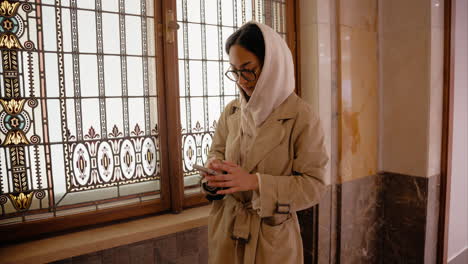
[236, 179]
[209, 164]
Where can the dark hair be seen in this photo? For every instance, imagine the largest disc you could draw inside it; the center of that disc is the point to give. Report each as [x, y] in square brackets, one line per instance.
[250, 37]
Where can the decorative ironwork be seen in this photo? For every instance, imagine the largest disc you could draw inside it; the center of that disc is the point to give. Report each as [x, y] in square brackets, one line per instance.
[55, 111]
[22, 201]
[8, 9]
[14, 122]
[10, 25]
[115, 161]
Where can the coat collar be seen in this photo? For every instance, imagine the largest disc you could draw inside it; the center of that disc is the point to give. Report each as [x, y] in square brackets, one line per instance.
[270, 134]
[286, 110]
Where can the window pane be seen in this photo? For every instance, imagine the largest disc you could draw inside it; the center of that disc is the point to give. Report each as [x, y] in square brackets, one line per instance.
[212, 47]
[194, 41]
[110, 32]
[86, 4]
[193, 12]
[50, 34]
[88, 80]
[204, 90]
[86, 31]
[227, 13]
[211, 12]
[133, 35]
[110, 5]
[133, 7]
[78, 123]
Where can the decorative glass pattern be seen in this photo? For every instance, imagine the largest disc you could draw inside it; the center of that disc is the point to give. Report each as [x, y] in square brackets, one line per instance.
[78, 107]
[204, 90]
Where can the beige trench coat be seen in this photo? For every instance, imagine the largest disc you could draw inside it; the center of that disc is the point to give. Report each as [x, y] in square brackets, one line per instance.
[290, 157]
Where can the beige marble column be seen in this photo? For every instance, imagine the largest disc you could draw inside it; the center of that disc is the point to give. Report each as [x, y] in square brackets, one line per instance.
[358, 92]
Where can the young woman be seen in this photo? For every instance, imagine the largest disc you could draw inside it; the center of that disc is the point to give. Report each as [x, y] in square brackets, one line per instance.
[269, 150]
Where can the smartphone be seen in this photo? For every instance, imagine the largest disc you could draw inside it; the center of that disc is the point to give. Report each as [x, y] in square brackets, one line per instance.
[204, 169]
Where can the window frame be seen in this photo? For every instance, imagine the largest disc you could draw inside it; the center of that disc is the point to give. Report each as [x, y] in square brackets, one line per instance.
[172, 199]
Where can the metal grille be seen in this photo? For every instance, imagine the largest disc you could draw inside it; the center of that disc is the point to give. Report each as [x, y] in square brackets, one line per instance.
[78, 114]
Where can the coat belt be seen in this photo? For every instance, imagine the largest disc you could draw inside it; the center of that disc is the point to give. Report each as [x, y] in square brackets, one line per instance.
[242, 220]
[242, 229]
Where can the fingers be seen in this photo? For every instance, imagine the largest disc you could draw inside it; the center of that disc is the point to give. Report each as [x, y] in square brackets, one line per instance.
[224, 167]
[210, 163]
[220, 177]
[221, 184]
[224, 180]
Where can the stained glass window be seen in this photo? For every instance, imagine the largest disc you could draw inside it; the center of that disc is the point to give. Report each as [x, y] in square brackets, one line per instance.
[78, 112]
[204, 91]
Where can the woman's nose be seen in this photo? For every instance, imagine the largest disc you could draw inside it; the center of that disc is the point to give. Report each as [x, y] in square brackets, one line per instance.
[241, 81]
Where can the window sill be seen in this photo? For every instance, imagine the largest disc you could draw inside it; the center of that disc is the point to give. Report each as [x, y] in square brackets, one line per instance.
[84, 242]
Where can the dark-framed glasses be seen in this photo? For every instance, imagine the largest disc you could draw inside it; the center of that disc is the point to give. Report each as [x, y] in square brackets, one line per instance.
[234, 75]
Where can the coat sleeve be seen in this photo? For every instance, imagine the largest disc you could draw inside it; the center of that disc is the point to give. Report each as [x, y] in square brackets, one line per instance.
[303, 189]
[218, 145]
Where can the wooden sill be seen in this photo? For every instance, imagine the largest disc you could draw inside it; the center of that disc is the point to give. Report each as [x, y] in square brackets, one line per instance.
[92, 240]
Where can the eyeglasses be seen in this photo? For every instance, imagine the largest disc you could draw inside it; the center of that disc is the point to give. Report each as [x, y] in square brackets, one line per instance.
[248, 75]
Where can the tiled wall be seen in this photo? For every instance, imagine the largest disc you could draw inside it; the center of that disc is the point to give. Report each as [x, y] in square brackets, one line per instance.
[388, 104]
[384, 218]
[190, 246]
[362, 220]
[410, 218]
[389, 108]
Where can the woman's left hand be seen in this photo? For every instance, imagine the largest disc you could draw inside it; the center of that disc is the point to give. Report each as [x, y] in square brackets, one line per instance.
[236, 179]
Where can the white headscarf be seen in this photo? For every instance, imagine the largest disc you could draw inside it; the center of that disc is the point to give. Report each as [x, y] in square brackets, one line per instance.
[276, 81]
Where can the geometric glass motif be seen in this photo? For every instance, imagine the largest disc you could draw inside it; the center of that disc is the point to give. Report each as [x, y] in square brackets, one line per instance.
[204, 90]
[78, 107]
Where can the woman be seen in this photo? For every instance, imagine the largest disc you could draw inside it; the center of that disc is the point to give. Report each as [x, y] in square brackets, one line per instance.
[270, 147]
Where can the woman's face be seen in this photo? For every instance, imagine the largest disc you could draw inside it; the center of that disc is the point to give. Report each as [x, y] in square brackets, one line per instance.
[242, 59]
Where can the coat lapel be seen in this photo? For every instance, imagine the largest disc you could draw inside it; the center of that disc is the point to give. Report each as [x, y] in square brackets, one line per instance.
[271, 133]
[269, 136]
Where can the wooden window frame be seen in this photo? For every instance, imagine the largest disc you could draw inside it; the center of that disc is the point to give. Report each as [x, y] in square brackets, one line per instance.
[173, 199]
